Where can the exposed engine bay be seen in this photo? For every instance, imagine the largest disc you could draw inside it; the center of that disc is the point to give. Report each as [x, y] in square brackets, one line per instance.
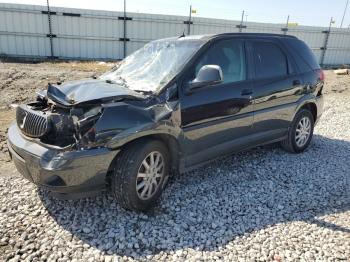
[55, 124]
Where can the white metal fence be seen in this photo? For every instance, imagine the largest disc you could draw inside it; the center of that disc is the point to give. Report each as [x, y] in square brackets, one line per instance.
[92, 34]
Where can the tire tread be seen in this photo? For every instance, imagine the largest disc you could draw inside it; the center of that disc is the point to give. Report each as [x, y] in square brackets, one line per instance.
[288, 144]
[124, 169]
[119, 181]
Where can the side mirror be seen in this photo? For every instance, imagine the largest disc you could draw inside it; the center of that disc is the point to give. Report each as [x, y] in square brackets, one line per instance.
[208, 75]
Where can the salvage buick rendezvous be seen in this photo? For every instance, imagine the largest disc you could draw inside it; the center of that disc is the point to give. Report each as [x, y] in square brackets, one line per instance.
[173, 105]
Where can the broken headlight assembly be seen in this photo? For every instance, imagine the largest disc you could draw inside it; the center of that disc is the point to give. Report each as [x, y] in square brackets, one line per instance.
[86, 131]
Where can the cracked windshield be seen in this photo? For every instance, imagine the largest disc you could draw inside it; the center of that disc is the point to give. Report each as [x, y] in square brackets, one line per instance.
[154, 65]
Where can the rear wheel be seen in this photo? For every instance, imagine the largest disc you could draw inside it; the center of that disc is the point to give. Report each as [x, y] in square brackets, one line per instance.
[300, 132]
[140, 174]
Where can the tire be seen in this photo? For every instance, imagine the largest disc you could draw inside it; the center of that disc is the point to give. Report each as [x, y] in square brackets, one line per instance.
[292, 144]
[128, 168]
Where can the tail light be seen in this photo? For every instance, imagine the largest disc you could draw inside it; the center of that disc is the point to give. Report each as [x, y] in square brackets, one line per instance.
[322, 75]
[322, 78]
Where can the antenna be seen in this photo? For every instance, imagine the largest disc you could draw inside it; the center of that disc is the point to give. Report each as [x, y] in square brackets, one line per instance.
[241, 25]
[346, 7]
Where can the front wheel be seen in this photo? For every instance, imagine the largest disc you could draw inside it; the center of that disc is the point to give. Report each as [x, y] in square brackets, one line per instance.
[300, 132]
[140, 174]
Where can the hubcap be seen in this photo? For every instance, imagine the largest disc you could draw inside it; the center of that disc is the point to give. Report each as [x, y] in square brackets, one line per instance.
[149, 176]
[303, 131]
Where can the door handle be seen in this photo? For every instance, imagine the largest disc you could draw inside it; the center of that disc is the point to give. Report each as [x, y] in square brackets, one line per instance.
[296, 82]
[246, 92]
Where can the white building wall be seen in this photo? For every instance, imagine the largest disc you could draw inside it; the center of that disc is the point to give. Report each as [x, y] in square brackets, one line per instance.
[93, 34]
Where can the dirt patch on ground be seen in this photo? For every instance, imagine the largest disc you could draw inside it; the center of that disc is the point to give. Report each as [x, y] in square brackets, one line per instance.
[6, 117]
[336, 83]
[20, 81]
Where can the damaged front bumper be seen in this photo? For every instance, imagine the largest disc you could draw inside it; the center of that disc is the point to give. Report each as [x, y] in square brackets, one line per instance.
[67, 174]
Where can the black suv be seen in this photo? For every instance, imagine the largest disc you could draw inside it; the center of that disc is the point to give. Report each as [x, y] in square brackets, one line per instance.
[172, 105]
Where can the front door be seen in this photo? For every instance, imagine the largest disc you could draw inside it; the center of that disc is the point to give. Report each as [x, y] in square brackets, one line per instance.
[216, 118]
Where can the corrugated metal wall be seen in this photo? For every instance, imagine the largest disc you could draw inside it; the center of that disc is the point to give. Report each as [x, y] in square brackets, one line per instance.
[92, 34]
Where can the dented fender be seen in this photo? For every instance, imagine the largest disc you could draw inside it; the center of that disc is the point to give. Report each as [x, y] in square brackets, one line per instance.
[124, 122]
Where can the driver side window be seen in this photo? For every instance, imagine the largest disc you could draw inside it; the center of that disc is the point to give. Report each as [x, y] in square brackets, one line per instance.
[229, 55]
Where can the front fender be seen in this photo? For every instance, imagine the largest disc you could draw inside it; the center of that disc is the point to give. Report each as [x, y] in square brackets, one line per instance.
[125, 122]
[142, 131]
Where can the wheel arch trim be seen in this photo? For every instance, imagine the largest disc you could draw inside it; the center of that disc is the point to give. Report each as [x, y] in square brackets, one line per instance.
[309, 103]
[170, 136]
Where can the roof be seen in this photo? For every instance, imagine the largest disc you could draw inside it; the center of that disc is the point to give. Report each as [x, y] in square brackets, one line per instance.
[212, 36]
[205, 38]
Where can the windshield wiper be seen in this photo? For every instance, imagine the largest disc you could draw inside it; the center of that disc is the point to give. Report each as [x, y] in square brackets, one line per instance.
[109, 81]
[122, 82]
[146, 92]
[122, 79]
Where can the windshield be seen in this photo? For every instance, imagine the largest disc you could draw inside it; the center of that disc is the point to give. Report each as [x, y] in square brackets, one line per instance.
[154, 65]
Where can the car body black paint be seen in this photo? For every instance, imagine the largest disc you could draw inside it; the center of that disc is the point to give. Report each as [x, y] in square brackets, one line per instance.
[206, 123]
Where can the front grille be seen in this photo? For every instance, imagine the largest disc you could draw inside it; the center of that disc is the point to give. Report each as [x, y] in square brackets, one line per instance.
[30, 122]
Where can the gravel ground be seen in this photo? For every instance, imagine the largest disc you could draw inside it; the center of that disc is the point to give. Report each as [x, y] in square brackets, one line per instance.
[263, 204]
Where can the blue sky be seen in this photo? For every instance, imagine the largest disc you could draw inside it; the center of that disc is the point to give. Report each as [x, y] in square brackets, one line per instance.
[312, 12]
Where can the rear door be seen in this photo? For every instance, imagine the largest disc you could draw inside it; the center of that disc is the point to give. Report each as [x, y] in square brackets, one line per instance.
[276, 85]
[214, 117]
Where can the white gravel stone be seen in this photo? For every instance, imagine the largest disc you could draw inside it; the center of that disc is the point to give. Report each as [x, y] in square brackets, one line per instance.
[263, 204]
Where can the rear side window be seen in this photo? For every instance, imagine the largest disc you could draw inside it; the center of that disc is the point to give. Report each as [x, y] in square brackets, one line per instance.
[269, 60]
[306, 58]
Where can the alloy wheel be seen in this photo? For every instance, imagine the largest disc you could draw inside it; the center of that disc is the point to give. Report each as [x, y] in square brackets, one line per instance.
[150, 175]
[303, 131]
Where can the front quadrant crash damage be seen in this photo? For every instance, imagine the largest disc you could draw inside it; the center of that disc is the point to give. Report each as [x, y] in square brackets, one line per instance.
[67, 115]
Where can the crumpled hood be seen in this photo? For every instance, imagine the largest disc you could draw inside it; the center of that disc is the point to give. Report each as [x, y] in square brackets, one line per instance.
[89, 90]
